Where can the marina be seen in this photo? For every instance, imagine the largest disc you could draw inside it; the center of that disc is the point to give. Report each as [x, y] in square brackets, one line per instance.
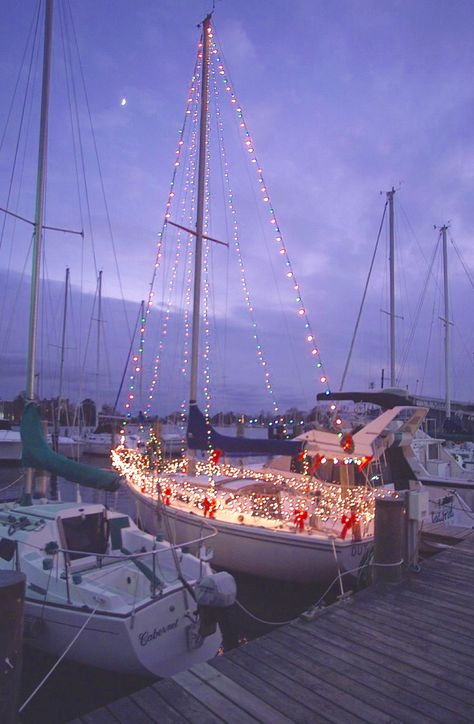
[393, 652]
[196, 526]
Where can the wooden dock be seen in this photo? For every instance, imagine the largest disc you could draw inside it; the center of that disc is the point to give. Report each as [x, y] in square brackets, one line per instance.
[392, 653]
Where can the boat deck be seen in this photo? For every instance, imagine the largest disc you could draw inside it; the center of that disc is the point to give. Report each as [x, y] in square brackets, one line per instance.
[400, 652]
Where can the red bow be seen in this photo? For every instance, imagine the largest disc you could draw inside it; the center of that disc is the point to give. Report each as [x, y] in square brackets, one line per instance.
[347, 522]
[300, 517]
[209, 507]
[302, 455]
[365, 461]
[167, 496]
[316, 463]
[215, 456]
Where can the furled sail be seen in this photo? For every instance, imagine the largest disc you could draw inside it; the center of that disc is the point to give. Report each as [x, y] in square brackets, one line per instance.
[200, 435]
[37, 454]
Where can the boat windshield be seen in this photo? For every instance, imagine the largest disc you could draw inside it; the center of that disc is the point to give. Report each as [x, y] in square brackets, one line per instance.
[86, 533]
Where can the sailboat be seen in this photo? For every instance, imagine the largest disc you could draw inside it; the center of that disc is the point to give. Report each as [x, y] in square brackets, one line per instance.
[271, 520]
[98, 589]
[428, 463]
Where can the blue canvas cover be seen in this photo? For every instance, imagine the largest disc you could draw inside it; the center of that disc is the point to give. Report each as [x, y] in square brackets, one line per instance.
[198, 438]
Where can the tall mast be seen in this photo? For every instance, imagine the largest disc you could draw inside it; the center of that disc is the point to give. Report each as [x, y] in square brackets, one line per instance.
[63, 344]
[99, 321]
[206, 30]
[38, 224]
[447, 333]
[390, 195]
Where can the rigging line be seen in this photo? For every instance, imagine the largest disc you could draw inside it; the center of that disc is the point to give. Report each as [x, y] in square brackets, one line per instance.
[12, 318]
[420, 304]
[351, 347]
[137, 323]
[20, 70]
[34, 51]
[68, 73]
[428, 345]
[96, 150]
[263, 234]
[81, 153]
[463, 264]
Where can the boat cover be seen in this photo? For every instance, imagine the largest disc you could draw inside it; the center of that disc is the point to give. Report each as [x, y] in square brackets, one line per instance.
[200, 435]
[37, 454]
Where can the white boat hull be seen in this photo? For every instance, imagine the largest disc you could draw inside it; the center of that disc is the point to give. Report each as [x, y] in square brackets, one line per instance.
[259, 551]
[152, 641]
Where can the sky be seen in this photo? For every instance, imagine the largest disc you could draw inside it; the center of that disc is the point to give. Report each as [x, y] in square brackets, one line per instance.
[343, 100]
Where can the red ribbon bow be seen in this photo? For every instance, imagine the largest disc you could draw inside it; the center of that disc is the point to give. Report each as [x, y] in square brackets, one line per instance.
[365, 461]
[209, 507]
[215, 456]
[316, 463]
[300, 517]
[167, 495]
[347, 522]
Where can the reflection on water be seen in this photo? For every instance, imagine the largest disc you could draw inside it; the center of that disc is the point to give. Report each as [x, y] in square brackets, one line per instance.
[72, 689]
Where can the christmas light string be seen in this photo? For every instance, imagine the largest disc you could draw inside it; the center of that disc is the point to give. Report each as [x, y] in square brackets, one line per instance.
[136, 368]
[216, 54]
[236, 241]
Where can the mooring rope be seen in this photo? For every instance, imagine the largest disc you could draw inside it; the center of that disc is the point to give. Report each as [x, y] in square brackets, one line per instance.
[43, 681]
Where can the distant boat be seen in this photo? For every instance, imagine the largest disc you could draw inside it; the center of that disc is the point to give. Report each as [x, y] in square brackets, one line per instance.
[99, 590]
[11, 448]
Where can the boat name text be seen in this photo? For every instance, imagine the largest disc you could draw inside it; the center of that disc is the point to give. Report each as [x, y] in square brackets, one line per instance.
[146, 637]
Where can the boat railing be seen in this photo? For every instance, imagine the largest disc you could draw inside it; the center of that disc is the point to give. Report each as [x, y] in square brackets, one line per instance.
[98, 560]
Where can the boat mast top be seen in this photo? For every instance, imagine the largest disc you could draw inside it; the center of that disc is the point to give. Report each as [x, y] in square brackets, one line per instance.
[206, 33]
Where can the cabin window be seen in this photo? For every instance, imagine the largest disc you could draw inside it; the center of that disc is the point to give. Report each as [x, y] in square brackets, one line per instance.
[85, 533]
[433, 452]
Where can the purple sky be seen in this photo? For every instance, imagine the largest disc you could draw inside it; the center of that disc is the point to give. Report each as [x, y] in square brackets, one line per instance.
[343, 100]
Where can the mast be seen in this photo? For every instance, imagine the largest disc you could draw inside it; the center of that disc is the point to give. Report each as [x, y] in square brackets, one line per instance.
[390, 195]
[38, 225]
[99, 319]
[200, 207]
[447, 333]
[63, 344]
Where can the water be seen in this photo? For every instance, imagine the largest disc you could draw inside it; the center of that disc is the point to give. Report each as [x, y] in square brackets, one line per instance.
[73, 690]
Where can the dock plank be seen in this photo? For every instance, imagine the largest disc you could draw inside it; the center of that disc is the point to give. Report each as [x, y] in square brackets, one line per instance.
[155, 707]
[278, 698]
[314, 676]
[125, 710]
[212, 699]
[186, 704]
[266, 675]
[253, 705]
[388, 669]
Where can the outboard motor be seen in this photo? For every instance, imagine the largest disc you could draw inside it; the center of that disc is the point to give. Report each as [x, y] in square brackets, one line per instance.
[215, 596]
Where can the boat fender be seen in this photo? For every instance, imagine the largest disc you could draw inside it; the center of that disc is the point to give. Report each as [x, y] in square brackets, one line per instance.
[218, 590]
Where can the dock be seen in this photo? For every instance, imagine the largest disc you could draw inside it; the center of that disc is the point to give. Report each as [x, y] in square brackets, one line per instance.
[390, 653]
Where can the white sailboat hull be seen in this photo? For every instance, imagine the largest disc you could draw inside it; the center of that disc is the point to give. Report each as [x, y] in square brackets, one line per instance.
[152, 641]
[258, 551]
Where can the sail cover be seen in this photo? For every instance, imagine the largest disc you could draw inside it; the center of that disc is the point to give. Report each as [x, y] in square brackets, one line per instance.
[37, 454]
[200, 435]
